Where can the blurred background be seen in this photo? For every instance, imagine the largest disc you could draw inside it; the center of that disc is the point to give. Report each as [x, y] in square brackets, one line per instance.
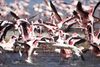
[27, 8]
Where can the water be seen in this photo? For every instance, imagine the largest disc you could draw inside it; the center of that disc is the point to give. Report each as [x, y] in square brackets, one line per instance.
[51, 60]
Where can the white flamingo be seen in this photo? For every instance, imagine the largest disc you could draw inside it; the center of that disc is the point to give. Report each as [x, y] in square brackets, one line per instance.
[9, 45]
[32, 44]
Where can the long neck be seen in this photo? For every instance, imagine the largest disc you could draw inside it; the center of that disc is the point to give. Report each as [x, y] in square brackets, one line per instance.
[92, 33]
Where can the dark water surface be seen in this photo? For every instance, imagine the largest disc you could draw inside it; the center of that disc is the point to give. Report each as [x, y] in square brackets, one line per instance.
[46, 59]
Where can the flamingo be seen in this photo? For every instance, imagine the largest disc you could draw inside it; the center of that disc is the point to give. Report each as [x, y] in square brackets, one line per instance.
[6, 29]
[4, 24]
[49, 27]
[88, 20]
[81, 11]
[95, 42]
[9, 45]
[77, 51]
[23, 26]
[25, 29]
[33, 44]
[75, 40]
[62, 21]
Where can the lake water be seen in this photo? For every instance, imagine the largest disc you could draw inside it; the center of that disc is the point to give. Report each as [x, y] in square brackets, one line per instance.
[50, 60]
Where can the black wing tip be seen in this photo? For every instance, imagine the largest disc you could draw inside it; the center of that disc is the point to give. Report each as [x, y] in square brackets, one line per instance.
[95, 8]
[50, 1]
[74, 12]
[52, 6]
[55, 11]
[79, 8]
[14, 15]
[79, 3]
[95, 46]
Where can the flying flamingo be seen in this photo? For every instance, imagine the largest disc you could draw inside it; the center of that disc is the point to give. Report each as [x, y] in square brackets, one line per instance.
[88, 23]
[6, 29]
[33, 44]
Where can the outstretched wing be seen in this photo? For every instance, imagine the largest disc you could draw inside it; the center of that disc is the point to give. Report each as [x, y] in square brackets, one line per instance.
[96, 11]
[14, 15]
[55, 11]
